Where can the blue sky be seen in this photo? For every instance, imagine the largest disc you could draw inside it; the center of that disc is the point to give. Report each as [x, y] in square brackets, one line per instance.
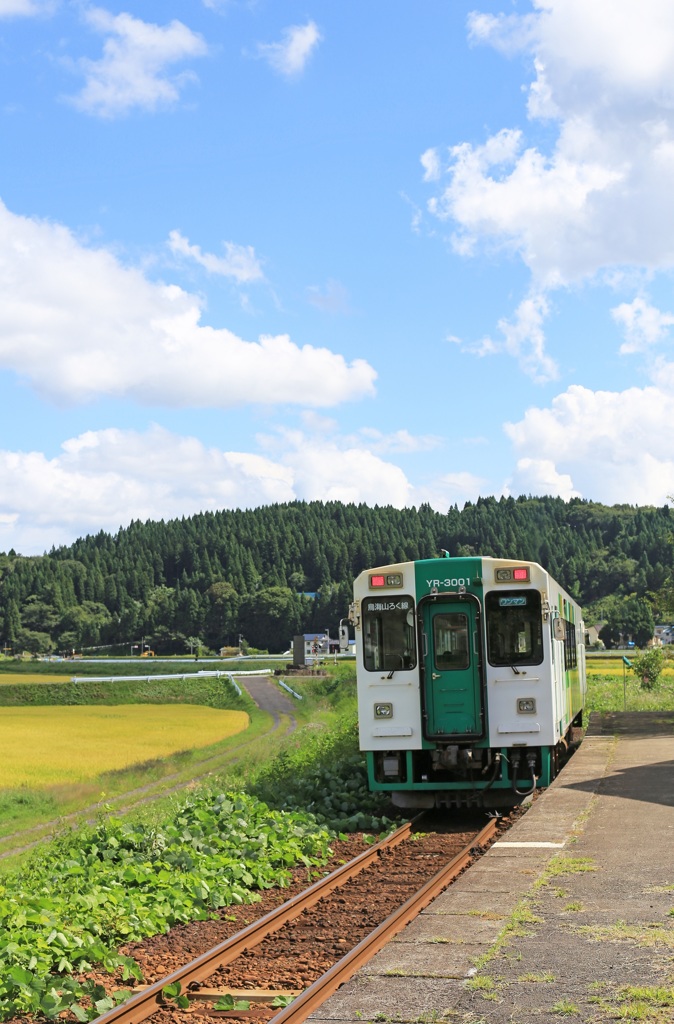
[259, 250]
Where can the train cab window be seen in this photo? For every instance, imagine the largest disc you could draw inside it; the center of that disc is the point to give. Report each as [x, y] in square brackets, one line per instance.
[388, 633]
[450, 641]
[514, 627]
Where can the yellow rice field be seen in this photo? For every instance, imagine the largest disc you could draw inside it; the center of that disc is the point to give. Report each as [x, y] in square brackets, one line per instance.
[44, 746]
[12, 678]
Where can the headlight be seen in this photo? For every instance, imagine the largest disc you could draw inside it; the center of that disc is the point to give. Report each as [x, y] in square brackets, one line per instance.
[526, 706]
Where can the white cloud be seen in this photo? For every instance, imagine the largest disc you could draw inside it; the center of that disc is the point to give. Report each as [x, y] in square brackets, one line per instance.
[25, 8]
[484, 347]
[399, 441]
[528, 203]
[508, 33]
[103, 479]
[523, 339]
[430, 161]
[539, 476]
[611, 446]
[598, 198]
[643, 325]
[602, 196]
[334, 298]
[240, 261]
[290, 55]
[78, 324]
[133, 71]
[450, 489]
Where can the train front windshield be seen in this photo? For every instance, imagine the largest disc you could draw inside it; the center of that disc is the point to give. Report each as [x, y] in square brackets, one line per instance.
[388, 633]
[514, 627]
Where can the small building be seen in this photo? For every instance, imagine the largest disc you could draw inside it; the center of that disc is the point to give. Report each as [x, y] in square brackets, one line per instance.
[317, 645]
[663, 634]
[592, 635]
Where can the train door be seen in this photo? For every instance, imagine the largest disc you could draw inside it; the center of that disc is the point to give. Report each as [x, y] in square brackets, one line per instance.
[453, 698]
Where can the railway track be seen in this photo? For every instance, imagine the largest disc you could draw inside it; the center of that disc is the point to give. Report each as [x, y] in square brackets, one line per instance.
[306, 948]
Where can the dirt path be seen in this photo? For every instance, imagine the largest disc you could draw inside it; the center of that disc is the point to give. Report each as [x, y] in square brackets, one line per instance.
[266, 695]
[269, 697]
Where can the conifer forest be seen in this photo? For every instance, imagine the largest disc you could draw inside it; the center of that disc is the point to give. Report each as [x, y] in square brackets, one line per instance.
[263, 575]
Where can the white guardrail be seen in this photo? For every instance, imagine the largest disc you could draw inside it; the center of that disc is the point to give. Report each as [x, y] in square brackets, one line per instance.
[202, 674]
[169, 675]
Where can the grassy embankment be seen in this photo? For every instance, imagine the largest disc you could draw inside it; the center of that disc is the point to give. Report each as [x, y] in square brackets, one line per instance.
[149, 777]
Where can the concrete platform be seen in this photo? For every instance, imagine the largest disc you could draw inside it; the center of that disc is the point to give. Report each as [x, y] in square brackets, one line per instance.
[569, 917]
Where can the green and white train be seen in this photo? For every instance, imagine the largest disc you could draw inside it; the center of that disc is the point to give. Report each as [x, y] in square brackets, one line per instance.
[471, 679]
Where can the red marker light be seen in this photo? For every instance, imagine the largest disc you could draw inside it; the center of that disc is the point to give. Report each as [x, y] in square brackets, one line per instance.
[520, 574]
[377, 581]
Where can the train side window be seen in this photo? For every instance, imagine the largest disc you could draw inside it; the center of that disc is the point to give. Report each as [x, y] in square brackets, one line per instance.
[570, 650]
[388, 633]
[514, 627]
[450, 641]
[565, 631]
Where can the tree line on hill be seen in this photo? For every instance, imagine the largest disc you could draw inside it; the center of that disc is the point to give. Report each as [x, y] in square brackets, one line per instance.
[268, 573]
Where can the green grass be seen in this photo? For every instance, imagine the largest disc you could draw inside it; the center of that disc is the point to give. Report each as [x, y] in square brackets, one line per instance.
[517, 926]
[639, 1003]
[561, 865]
[136, 667]
[645, 935]
[607, 690]
[210, 691]
[565, 1008]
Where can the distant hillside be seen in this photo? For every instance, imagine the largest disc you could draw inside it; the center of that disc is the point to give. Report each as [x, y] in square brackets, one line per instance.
[217, 575]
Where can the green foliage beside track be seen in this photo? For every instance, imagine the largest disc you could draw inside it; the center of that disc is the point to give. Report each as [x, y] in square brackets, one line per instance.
[324, 773]
[89, 891]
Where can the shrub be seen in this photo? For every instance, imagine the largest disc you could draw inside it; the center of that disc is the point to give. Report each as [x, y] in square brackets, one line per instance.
[647, 666]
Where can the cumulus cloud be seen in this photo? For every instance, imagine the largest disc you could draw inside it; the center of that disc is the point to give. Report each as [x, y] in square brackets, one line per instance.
[610, 446]
[643, 325]
[516, 197]
[77, 324]
[289, 56]
[133, 71]
[604, 189]
[240, 261]
[540, 476]
[103, 479]
[598, 198]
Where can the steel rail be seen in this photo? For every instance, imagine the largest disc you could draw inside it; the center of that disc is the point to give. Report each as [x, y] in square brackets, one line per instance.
[144, 1003]
[314, 996]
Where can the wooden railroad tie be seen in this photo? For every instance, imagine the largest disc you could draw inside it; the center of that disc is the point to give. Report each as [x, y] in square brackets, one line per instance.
[254, 995]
